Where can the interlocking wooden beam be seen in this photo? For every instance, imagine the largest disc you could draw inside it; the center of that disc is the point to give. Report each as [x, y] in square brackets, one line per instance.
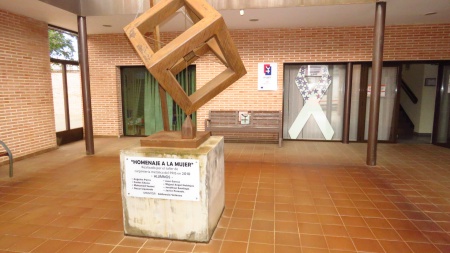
[209, 29]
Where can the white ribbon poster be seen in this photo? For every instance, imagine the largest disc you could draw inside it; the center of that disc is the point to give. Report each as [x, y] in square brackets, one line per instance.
[267, 76]
[312, 92]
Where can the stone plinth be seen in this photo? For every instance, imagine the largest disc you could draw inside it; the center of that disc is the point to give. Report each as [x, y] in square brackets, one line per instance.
[173, 193]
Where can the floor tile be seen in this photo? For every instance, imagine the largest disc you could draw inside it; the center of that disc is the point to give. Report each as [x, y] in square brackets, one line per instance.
[99, 248]
[75, 247]
[386, 234]
[23, 244]
[110, 237]
[212, 247]
[260, 248]
[287, 249]
[181, 246]
[157, 243]
[291, 239]
[367, 245]
[239, 223]
[258, 236]
[237, 235]
[360, 232]
[123, 249]
[423, 247]
[313, 241]
[395, 246]
[233, 247]
[266, 225]
[334, 230]
[50, 246]
[340, 243]
[286, 226]
[131, 241]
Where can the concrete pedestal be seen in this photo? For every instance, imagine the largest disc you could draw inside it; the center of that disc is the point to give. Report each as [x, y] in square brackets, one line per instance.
[161, 196]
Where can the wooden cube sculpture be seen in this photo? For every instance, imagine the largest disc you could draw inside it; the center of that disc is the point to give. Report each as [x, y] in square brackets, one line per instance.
[208, 33]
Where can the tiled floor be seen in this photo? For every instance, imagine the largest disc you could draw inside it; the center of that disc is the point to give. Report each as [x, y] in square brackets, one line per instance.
[304, 197]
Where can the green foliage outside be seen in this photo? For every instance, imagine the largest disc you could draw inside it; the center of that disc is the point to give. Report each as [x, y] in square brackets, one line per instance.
[61, 46]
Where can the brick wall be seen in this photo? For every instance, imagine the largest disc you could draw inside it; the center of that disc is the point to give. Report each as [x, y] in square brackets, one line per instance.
[330, 44]
[106, 53]
[26, 107]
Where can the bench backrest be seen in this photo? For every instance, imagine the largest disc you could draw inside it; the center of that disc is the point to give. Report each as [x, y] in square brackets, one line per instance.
[265, 118]
[257, 118]
[220, 118]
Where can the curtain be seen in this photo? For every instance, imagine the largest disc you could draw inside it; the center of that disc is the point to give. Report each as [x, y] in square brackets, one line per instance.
[187, 80]
[152, 106]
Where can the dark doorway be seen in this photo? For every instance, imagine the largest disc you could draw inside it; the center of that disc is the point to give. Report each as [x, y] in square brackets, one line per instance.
[417, 102]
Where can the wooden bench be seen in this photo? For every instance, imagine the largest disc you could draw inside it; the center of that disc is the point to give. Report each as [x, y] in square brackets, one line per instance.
[256, 122]
[7, 153]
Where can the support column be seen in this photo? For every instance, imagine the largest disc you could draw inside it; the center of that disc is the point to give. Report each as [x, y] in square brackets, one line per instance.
[377, 65]
[347, 103]
[85, 85]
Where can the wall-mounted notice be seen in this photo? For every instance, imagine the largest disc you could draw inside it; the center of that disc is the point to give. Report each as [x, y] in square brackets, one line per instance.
[162, 178]
[382, 92]
[267, 76]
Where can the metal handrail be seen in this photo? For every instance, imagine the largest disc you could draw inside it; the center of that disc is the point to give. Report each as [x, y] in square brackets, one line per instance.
[10, 158]
[409, 92]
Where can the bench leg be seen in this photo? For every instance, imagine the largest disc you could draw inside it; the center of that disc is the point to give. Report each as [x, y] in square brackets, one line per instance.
[280, 140]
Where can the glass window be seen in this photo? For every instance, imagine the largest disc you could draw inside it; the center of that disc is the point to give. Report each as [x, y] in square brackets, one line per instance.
[63, 44]
[75, 96]
[58, 97]
[314, 101]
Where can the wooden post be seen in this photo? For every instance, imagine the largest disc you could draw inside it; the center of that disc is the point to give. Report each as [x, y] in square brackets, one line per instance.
[85, 85]
[377, 65]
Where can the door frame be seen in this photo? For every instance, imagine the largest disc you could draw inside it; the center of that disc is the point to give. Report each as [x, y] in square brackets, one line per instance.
[437, 107]
[362, 107]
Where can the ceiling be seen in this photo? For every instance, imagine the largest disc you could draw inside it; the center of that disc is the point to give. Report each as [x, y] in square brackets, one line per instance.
[398, 12]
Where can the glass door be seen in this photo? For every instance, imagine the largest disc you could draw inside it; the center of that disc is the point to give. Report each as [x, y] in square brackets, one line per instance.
[360, 103]
[388, 101]
[441, 133]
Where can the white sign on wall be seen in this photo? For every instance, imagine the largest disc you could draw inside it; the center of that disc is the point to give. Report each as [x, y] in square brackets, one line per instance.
[267, 76]
[162, 178]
